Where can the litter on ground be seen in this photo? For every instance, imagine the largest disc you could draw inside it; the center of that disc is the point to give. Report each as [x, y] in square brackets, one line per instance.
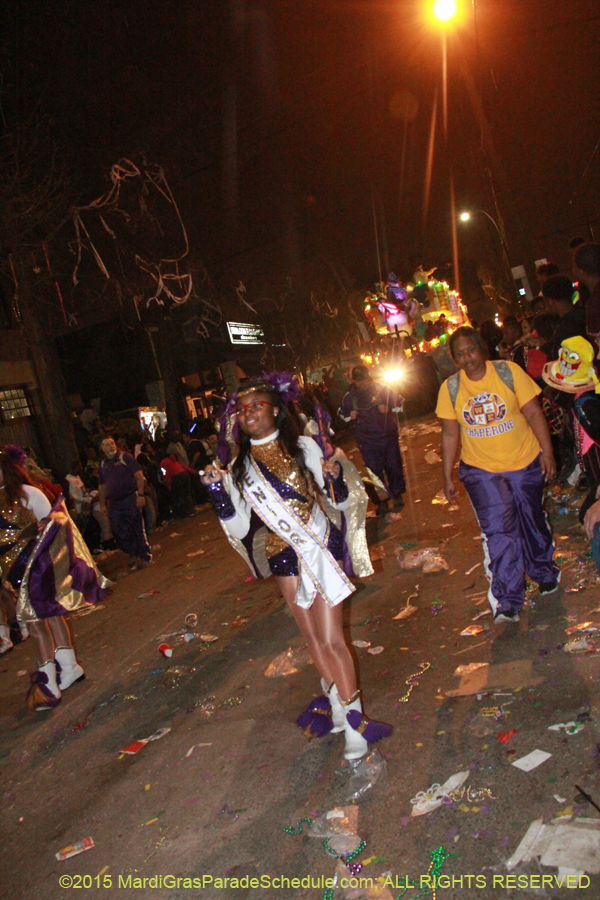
[532, 760]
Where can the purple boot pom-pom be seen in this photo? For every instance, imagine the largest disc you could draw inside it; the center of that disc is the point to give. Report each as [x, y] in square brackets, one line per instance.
[316, 719]
[371, 731]
[39, 696]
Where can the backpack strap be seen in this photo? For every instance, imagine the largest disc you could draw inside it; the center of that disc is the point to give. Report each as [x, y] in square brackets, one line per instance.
[504, 373]
[502, 370]
[453, 385]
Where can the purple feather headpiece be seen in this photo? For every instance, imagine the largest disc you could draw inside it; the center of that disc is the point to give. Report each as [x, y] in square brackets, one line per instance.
[16, 454]
[285, 383]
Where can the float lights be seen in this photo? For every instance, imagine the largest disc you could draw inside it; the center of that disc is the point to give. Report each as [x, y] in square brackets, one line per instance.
[465, 216]
[444, 10]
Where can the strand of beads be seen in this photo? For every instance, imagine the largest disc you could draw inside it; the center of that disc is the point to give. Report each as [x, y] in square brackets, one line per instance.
[297, 828]
[347, 859]
[438, 858]
[411, 681]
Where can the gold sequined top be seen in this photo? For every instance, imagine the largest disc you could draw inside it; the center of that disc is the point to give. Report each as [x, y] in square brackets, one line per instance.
[22, 527]
[285, 467]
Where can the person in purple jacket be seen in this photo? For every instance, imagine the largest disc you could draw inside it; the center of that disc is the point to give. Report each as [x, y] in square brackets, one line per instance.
[372, 409]
[122, 487]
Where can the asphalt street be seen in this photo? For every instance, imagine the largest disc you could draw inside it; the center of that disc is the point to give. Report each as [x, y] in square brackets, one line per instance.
[212, 796]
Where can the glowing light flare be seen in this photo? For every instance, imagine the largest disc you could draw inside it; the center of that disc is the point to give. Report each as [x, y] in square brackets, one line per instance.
[444, 10]
[465, 216]
[393, 375]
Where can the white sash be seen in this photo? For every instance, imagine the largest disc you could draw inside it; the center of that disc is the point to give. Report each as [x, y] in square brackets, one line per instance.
[319, 572]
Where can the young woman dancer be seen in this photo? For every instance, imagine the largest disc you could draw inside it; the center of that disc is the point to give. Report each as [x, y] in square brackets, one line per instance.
[275, 481]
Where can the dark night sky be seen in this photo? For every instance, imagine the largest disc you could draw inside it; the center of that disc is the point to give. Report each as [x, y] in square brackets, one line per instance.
[275, 120]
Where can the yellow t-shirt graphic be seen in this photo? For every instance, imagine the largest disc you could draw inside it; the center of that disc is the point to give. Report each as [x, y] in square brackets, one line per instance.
[495, 435]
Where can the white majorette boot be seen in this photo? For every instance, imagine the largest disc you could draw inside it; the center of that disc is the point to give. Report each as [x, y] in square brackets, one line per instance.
[44, 692]
[359, 730]
[5, 642]
[69, 669]
[338, 711]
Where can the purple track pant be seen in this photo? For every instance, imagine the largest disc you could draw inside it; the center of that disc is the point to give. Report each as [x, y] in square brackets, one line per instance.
[384, 459]
[516, 535]
[127, 526]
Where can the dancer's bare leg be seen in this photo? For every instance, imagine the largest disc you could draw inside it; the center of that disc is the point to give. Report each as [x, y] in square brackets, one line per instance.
[322, 628]
[43, 640]
[60, 631]
[330, 635]
[288, 585]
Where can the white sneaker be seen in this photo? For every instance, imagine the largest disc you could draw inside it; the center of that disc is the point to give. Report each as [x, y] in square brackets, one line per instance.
[506, 617]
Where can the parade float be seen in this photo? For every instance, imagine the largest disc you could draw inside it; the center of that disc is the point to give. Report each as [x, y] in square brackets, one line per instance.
[395, 309]
[413, 323]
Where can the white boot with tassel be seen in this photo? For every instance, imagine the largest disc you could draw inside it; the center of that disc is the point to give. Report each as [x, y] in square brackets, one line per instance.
[69, 669]
[360, 730]
[338, 710]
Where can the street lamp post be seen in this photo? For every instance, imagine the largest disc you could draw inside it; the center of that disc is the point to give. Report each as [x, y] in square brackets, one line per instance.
[444, 11]
[465, 216]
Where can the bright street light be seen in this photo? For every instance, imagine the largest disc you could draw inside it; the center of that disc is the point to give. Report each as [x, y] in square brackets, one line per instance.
[393, 375]
[444, 10]
[465, 217]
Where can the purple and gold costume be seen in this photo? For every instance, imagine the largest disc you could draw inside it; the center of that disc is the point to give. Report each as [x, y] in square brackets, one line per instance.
[52, 573]
[283, 474]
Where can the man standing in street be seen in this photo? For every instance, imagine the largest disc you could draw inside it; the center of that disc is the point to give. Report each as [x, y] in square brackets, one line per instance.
[122, 487]
[372, 409]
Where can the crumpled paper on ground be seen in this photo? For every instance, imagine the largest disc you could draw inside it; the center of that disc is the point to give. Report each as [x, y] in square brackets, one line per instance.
[406, 611]
[579, 644]
[377, 891]
[287, 663]
[571, 846]
[568, 727]
[377, 553]
[429, 559]
[477, 680]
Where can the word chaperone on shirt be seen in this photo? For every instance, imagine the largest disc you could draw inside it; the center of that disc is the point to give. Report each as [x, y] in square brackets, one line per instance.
[486, 414]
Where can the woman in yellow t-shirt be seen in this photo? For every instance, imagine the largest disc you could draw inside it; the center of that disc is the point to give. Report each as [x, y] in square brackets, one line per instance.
[492, 409]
